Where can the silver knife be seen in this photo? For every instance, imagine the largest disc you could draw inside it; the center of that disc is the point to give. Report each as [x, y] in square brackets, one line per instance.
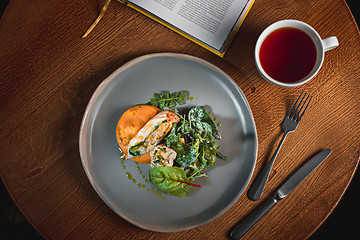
[290, 184]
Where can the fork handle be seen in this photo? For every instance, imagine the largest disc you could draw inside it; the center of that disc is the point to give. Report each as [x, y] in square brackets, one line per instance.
[258, 185]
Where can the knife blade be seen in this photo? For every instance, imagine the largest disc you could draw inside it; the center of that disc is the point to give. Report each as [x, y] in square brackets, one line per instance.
[289, 185]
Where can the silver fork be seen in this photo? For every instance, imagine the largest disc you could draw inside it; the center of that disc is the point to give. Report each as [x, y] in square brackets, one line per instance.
[289, 124]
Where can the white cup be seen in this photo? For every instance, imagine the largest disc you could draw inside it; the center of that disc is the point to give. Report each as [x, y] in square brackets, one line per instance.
[321, 45]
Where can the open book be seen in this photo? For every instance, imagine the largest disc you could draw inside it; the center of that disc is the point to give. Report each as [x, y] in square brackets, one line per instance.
[209, 23]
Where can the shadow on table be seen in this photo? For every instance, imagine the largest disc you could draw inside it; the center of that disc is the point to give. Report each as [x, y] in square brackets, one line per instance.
[13, 225]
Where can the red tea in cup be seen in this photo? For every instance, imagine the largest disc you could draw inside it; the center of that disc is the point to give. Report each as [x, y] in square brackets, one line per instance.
[287, 54]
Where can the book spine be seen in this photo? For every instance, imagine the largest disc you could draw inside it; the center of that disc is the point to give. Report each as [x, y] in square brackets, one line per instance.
[242, 18]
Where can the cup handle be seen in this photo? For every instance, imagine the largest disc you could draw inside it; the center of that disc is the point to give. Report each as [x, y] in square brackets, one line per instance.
[330, 43]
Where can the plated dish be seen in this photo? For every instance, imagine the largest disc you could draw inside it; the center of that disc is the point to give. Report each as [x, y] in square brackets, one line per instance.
[178, 144]
[124, 184]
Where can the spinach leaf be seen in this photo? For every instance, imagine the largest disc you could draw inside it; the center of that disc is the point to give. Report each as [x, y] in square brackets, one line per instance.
[172, 137]
[199, 114]
[186, 155]
[171, 180]
[203, 128]
[180, 148]
[210, 151]
[202, 161]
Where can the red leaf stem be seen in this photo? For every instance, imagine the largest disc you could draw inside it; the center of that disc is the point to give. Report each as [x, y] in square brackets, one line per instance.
[191, 184]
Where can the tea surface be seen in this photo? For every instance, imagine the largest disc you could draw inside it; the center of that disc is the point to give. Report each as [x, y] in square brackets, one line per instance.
[288, 55]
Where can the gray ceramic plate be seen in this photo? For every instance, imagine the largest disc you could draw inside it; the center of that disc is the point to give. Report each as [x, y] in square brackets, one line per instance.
[124, 185]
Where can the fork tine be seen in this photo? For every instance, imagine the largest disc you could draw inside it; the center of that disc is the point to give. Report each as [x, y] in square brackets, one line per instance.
[302, 114]
[292, 107]
[296, 116]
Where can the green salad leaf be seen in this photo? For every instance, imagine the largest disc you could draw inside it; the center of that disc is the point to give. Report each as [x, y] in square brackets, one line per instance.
[171, 180]
[186, 154]
[193, 140]
[200, 116]
[172, 137]
[203, 128]
[210, 151]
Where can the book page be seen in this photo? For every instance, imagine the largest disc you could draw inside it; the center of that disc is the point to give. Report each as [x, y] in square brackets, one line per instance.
[209, 21]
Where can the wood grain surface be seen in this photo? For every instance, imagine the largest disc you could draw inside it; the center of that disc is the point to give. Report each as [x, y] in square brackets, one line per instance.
[48, 74]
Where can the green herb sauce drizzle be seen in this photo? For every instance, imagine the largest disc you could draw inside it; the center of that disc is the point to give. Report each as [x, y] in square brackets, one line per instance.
[142, 183]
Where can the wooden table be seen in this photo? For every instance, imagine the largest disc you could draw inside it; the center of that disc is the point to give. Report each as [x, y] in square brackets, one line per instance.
[48, 74]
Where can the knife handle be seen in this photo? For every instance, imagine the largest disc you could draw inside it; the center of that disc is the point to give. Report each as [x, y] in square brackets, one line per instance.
[245, 225]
